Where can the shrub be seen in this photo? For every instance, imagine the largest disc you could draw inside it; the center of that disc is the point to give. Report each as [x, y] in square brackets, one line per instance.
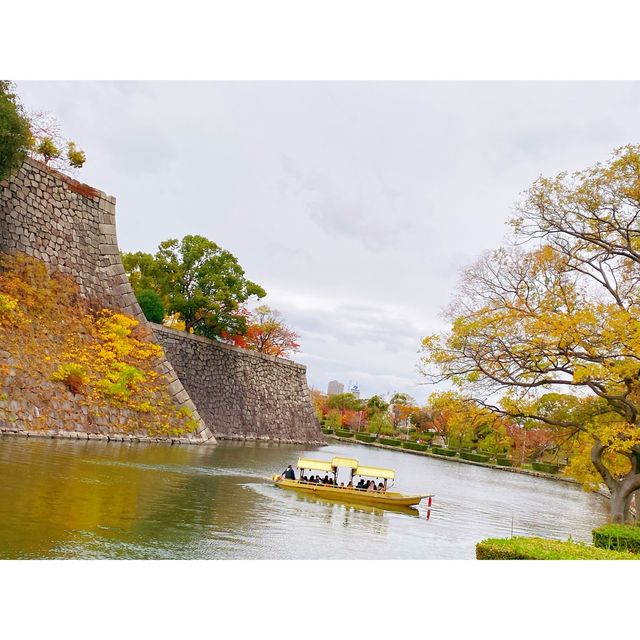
[152, 306]
[545, 467]
[363, 437]
[344, 434]
[327, 431]
[618, 537]
[444, 452]
[542, 549]
[475, 457]
[73, 375]
[414, 446]
[504, 462]
[391, 442]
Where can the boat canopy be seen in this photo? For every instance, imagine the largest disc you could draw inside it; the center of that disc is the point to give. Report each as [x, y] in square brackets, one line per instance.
[317, 465]
[337, 461]
[375, 472]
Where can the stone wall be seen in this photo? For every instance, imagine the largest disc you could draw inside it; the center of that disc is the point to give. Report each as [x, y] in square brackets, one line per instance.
[243, 394]
[71, 227]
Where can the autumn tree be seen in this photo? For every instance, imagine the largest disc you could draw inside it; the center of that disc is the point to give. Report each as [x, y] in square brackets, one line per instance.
[561, 316]
[198, 281]
[267, 333]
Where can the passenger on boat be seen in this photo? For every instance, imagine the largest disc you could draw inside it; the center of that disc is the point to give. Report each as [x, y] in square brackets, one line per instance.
[371, 486]
[289, 473]
[360, 484]
[380, 487]
[326, 480]
[304, 479]
[342, 485]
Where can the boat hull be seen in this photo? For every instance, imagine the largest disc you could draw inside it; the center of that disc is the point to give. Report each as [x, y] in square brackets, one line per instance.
[386, 499]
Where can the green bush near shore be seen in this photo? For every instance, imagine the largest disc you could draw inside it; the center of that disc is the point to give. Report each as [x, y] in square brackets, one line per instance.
[545, 467]
[390, 442]
[504, 462]
[364, 437]
[414, 446]
[444, 452]
[618, 537]
[344, 434]
[474, 457]
[542, 549]
[327, 431]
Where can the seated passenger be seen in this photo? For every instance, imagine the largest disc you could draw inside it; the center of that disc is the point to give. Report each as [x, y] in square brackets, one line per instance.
[360, 484]
[326, 480]
[342, 485]
[304, 479]
[381, 487]
[371, 486]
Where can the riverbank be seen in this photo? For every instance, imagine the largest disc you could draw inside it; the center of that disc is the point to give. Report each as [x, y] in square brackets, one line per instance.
[124, 437]
[430, 454]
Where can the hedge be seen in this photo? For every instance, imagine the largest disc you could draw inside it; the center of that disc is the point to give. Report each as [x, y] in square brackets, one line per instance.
[475, 457]
[618, 537]
[414, 446]
[391, 442]
[444, 452]
[545, 467]
[542, 549]
[504, 462]
[327, 431]
[344, 434]
[365, 437]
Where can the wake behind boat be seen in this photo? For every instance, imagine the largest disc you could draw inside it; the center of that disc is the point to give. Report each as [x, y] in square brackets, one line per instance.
[379, 496]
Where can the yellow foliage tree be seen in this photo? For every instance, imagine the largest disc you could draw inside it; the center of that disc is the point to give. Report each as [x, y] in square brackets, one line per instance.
[563, 315]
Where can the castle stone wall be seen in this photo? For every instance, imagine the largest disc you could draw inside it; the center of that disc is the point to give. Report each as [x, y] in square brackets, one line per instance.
[72, 227]
[243, 394]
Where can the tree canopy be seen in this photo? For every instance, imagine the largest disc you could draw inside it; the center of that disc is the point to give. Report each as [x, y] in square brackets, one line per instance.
[266, 332]
[557, 316]
[15, 134]
[197, 280]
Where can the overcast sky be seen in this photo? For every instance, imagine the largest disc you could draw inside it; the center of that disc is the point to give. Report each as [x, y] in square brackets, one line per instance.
[353, 204]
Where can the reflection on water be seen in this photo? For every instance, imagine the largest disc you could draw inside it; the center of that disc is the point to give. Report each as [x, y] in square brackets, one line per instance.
[66, 499]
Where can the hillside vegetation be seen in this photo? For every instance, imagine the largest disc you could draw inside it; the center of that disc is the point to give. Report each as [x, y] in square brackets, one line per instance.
[67, 365]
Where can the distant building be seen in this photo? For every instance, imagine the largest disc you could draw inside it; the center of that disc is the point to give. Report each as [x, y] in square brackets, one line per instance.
[355, 391]
[335, 387]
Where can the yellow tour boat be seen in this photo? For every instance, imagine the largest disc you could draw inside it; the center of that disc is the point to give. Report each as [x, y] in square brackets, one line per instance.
[380, 498]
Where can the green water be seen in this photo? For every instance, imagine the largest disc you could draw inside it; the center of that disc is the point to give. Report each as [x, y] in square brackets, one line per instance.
[69, 499]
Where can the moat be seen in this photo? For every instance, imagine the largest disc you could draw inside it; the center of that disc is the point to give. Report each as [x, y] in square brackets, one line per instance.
[65, 499]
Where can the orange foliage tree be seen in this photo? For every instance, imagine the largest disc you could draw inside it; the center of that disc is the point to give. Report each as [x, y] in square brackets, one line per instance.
[266, 333]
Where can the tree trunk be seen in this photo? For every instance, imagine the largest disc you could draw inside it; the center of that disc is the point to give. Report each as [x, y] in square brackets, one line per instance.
[622, 489]
[618, 504]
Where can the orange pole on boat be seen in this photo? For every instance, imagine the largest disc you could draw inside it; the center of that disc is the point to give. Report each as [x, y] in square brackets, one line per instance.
[429, 502]
[428, 513]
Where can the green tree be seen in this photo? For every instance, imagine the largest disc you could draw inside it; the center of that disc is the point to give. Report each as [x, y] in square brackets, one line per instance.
[345, 401]
[376, 405]
[198, 280]
[15, 135]
[151, 304]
